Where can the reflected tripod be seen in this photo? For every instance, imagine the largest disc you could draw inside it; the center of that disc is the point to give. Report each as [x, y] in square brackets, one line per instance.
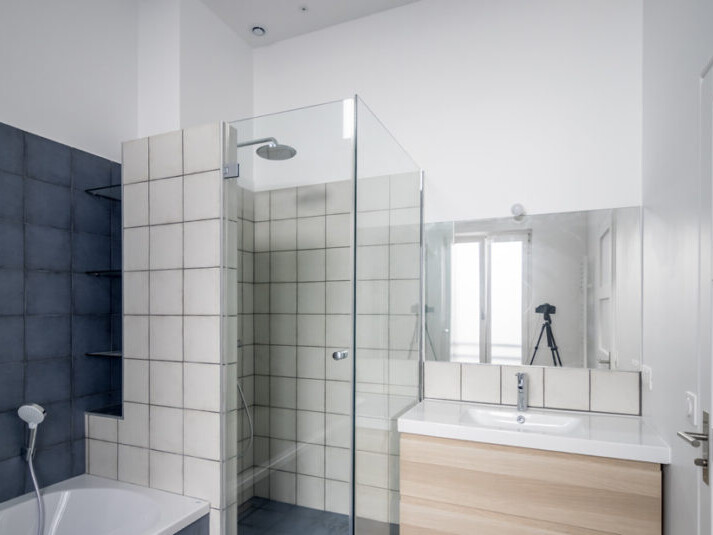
[547, 309]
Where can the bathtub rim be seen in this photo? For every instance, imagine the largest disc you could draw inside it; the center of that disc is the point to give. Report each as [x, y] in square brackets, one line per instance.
[183, 510]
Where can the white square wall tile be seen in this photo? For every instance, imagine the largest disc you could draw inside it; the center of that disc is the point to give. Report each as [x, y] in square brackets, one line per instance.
[338, 463]
[339, 397]
[310, 329]
[134, 465]
[166, 429]
[283, 203]
[103, 459]
[136, 337]
[135, 205]
[339, 197]
[166, 471]
[442, 380]
[202, 386]
[283, 486]
[262, 206]
[614, 391]
[202, 480]
[339, 230]
[310, 395]
[373, 228]
[311, 427]
[167, 246]
[372, 262]
[311, 200]
[202, 291]
[135, 160]
[567, 388]
[136, 381]
[201, 434]
[203, 196]
[535, 384]
[136, 249]
[339, 264]
[405, 190]
[310, 492]
[202, 243]
[405, 261]
[480, 383]
[201, 339]
[136, 292]
[134, 427]
[166, 383]
[310, 362]
[373, 194]
[166, 291]
[102, 428]
[338, 297]
[166, 155]
[310, 233]
[202, 149]
[166, 201]
[310, 459]
[336, 497]
[165, 337]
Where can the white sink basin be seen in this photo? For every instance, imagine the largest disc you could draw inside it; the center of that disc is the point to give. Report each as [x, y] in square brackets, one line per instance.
[537, 422]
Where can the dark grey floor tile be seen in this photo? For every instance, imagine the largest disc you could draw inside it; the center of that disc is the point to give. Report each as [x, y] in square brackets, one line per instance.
[12, 292]
[47, 160]
[53, 464]
[12, 434]
[12, 149]
[78, 457]
[11, 245]
[12, 477]
[47, 337]
[11, 193]
[91, 375]
[90, 252]
[277, 518]
[47, 293]
[90, 171]
[47, 381]
[57, 426]
[11, 377]
[47, 204]
[91, 214]
[47, 248]
[91, 295]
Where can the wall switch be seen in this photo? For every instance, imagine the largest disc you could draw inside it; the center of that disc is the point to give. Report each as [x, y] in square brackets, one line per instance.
[692, 408]
[647, 377]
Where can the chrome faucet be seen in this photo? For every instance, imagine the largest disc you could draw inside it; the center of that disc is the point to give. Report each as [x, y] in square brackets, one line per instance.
[521, 391]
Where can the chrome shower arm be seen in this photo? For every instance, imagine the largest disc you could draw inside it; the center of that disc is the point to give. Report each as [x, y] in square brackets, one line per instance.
[270, 140]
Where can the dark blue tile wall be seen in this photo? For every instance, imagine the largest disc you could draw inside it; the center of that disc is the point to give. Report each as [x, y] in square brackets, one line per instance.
[51, 312]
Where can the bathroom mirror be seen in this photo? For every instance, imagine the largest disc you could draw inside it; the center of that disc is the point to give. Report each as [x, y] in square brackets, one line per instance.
[571, 281]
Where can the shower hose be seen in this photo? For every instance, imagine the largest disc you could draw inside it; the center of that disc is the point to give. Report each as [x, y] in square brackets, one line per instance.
[250, 423]
[40, 505]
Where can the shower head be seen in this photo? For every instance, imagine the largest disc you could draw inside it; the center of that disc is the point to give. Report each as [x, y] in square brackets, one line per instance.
[276, 152]
[271, 149]
[33, 414]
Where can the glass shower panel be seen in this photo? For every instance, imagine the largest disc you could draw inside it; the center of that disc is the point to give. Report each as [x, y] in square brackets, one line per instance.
[388, 316]
[289, 285]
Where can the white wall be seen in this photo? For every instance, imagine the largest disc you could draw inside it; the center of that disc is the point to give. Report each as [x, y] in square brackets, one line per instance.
[193, 68]
[517, 101]
[678, 42]
[216, 68]
[69, 71]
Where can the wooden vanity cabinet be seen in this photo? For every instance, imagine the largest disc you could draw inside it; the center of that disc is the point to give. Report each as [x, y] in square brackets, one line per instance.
[470, 488]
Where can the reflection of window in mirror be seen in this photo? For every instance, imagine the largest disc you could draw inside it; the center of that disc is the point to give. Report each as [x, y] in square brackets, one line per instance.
[489, 274]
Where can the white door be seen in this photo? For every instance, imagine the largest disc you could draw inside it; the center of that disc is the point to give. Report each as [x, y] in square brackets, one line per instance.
[705, 378]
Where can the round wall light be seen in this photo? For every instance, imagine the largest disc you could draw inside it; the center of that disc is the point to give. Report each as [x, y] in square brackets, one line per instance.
[258, 31]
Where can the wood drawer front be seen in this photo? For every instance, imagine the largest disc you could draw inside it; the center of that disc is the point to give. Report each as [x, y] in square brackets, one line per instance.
[421, 517]
[603, 495]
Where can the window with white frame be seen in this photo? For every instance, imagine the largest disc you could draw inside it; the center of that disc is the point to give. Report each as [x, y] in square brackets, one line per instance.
[489, 277]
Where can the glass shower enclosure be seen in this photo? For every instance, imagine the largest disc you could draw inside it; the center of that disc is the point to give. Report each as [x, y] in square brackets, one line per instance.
[322, 325]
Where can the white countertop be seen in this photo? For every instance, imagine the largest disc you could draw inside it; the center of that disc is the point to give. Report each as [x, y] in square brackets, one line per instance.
[599, 435]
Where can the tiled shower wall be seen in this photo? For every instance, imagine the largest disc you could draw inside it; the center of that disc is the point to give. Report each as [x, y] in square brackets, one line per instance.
[51, 312]
[171, 436]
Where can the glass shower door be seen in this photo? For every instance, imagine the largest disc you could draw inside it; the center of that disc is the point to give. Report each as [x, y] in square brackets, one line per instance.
[387, 287]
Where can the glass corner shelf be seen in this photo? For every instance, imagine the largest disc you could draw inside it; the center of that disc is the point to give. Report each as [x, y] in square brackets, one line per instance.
[114, 411]
[105, 273]
[111, 354]
[106, 192]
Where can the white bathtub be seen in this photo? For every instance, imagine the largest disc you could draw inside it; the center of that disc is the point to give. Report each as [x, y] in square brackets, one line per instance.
[90, 505]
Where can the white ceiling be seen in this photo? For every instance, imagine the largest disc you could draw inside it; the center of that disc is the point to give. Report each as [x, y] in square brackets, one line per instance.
[284, 18]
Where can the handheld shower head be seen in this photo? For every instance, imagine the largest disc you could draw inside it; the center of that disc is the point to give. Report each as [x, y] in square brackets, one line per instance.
[32, 414]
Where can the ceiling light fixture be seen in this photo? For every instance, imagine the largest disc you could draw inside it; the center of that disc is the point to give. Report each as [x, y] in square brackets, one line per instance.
[259, 31]
[304, 9]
